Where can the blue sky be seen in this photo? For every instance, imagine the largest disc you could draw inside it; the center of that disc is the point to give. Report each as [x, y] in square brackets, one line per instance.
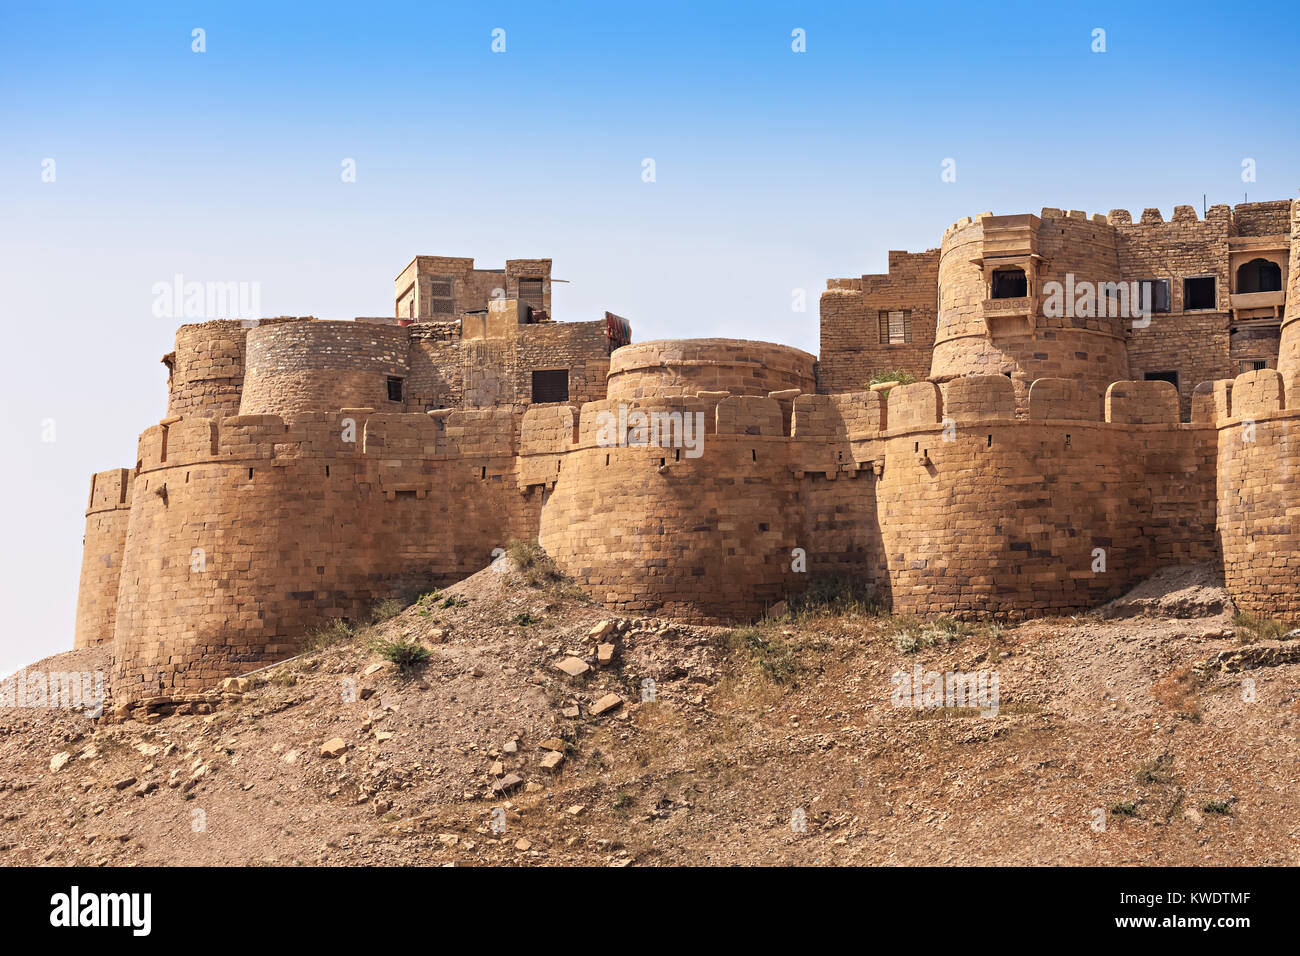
[774, 170]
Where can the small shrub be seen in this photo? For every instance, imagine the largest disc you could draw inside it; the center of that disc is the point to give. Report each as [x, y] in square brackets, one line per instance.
[1158, 771]
[385, 610]
[891, 375]
[831, 595]
[1219, 807]
[407, 655]
[1250, 628]
[945, 630]
[907, 634]
[536, 565]
[524, 619]
[331, 632]
[426, 603]
[775, 660]
[910, 636]
[1125, 809]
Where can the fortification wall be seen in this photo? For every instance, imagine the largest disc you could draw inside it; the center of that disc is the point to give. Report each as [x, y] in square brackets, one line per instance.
[1195, 344]
[107, 516]
[298, 367]
[942, 499]
[835, 494]
[244, 535]
[648, 529]
[993, 516]
[435, 362]
[1288, 357]
[207, 369]
[1258, 495]
[683, 367]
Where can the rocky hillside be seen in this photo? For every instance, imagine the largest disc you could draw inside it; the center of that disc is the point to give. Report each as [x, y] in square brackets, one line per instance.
[507, 720]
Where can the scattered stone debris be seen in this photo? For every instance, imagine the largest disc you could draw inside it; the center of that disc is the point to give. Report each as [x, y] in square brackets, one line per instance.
[334, 747]
[1263, 654]
[573, 666]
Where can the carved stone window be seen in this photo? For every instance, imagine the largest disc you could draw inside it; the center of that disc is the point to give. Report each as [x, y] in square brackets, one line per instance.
[441, 299]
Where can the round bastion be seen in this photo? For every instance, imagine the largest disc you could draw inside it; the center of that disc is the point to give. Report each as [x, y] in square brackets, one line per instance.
[670, 368]
[293, 368]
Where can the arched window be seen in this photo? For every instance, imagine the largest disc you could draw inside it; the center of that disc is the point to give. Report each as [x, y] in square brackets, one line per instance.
[1259, 275]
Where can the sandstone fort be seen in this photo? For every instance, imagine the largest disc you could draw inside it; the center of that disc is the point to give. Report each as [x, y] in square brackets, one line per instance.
[1095, 398]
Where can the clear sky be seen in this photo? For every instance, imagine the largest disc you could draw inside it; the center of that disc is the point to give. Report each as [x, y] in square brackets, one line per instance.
[774, 170]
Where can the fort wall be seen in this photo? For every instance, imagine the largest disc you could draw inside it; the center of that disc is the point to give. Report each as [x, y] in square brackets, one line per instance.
[245, 534]
[1288, 359]
[207, 369]
[307, 469]
[997, 517]
[1259, 497]
[856, 342]
[299, 367]
[942, 499]
[651, 529]
[981, 334]
[107, 515]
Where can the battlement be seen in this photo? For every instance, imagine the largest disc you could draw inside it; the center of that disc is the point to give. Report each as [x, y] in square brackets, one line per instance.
[1245, 219]
[459, 434]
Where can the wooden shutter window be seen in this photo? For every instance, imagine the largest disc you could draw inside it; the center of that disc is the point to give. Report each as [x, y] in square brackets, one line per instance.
[530, 291]
[896, 327]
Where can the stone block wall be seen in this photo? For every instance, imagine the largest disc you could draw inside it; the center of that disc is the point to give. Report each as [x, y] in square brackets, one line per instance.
[299, 367]
[207, 369]
[233, 556]
[107, 517]
[682, 367]
[851, 348]
[1259, 497]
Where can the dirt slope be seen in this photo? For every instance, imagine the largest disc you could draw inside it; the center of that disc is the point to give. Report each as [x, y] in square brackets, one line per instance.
[780, 744]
